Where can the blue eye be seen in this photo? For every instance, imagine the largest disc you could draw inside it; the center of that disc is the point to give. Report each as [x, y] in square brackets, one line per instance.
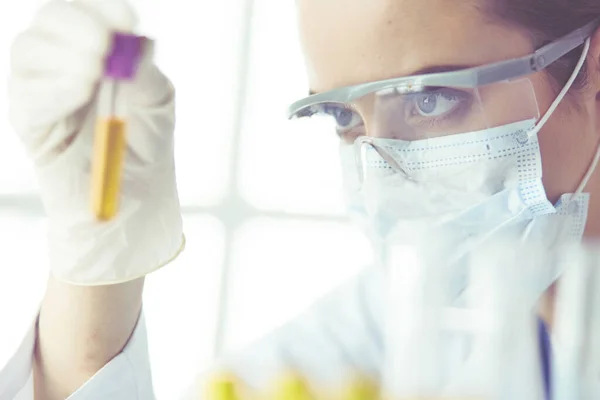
[426, 104]
[437, 108]
[436, 104]
[346, 119]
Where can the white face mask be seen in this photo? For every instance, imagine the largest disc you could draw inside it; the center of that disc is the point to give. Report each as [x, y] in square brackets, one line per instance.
[468, 186]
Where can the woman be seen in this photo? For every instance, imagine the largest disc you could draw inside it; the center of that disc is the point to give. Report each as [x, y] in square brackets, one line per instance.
[89, 339]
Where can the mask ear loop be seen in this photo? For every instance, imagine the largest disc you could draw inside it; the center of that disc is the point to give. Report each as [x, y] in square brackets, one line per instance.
[594, 163]
[553, 107]
[545, 119]
[563, 92]
[550, 275]
[588, 174]
[549, 114]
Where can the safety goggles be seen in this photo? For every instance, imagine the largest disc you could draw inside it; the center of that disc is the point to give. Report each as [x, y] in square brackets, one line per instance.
[440, 104]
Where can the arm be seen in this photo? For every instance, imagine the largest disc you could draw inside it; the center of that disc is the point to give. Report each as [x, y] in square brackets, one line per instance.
[93, 299]
[80, 330]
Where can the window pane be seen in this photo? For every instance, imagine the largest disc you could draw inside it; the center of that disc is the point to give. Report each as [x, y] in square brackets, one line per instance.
[284, 165]
[281, 267]
[180, 303]
[23, 276]
[16, 172]
[199, 49]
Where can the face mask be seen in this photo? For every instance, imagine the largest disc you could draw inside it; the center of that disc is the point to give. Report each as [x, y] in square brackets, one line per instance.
[353, 197]
[467, 188]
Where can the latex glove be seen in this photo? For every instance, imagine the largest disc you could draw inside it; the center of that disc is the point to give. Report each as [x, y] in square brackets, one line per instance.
[57, 65]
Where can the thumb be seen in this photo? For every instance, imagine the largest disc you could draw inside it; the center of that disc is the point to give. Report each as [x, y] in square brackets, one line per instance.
[116, 15]
[148, 103]
[150, 87]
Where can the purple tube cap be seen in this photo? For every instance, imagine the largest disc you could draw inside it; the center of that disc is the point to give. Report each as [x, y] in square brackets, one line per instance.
[124, 57]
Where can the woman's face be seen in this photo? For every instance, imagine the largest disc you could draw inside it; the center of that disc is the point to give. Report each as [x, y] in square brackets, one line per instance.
[349, 42]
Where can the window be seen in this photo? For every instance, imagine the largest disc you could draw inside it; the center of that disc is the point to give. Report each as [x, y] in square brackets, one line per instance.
[262, 203]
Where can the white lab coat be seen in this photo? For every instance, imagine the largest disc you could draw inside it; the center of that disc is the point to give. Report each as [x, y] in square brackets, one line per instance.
[341, 330]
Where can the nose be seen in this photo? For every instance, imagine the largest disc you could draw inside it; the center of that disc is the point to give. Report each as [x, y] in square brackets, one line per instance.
[366, 109]
[381, 119]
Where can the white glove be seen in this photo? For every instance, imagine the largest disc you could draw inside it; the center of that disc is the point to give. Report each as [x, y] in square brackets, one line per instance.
[57, 65]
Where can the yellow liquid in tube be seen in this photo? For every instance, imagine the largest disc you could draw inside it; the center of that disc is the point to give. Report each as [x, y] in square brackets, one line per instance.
[361, 389]
[107, 167]
[223, 388]
[293, 387]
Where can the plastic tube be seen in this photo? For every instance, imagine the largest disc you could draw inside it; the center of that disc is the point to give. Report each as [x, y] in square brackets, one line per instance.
[110, 140]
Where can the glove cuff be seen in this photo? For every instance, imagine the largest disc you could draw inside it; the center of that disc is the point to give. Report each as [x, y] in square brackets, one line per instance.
[142, 239]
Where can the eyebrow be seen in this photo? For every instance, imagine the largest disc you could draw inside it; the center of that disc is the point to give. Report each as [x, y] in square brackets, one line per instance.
[427, 70]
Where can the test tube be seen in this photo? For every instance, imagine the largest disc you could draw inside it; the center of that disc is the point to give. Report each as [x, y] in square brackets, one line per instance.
[223, 387]
[293, 386]
[504, 361]
[413, 326]
[439, 348]
[111, 128]
[361, 388]
[576, 328]
[591, 383]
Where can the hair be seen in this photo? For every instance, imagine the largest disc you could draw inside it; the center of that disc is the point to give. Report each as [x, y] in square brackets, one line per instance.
[545, 21]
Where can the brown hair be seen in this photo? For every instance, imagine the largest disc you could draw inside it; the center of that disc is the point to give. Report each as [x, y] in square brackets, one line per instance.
[546, 21]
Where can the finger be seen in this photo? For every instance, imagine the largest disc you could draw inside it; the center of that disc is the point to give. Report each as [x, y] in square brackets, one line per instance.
[70, 23]
[115, 14]
[149, 101]
[37, 101]
[150, 133]
[150, 104]
[33, 52]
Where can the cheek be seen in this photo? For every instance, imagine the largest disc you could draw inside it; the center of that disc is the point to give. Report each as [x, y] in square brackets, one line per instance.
[566, 152]
[566, 144]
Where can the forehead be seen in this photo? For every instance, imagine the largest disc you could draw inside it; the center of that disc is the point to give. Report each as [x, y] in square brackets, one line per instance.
[352, 41]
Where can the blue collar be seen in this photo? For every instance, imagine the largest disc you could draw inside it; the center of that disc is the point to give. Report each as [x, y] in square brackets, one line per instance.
[546, 357]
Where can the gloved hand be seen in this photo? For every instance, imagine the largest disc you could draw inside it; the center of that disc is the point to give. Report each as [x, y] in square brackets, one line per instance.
[57, 65]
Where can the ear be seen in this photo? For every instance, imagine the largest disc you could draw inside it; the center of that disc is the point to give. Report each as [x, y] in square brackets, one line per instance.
[594, 53]
[594, 59]
[593, 68]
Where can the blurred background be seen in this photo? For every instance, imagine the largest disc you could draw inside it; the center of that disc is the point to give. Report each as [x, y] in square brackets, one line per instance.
[262, 200]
